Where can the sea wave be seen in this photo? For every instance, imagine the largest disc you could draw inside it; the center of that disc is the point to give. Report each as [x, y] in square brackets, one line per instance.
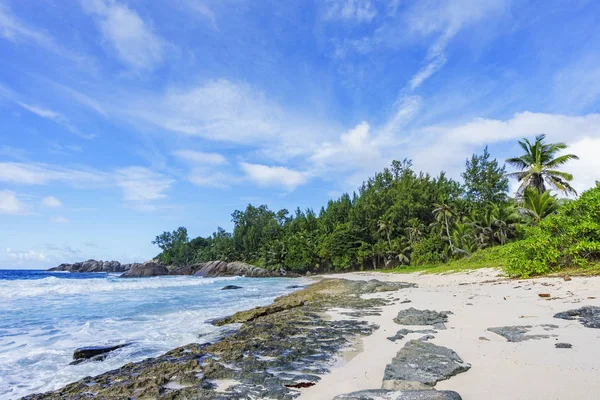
[52, 286]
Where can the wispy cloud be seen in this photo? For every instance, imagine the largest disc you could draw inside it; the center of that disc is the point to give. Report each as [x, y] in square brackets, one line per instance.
[133, 40]
[18, 31]
[199, 157]
[56, 117]
[357, 10]
[59, 220]
[140, 184]
[39, 174]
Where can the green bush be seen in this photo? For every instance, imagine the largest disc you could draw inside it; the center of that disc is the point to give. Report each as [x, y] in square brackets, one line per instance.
[428, 251]
[569, 238]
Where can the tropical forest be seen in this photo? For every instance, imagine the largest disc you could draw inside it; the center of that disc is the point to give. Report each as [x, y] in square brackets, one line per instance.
[405, 220]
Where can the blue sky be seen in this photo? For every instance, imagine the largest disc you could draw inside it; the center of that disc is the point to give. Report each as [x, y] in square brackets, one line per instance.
[124, 118]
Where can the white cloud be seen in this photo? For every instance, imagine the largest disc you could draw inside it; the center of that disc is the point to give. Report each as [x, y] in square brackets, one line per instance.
[51, 201]
[133, 40]
[59, 220]
[585, 170]
[29, 255]
[139, 184]
[198, 157]
[11, 204]
[359, 10]
[265, 175]
[356, 147]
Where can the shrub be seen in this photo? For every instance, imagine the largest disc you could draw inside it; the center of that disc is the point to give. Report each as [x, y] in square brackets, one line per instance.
[569, 238]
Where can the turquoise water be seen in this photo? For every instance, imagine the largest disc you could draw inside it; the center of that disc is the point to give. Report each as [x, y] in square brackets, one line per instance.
[45, 316]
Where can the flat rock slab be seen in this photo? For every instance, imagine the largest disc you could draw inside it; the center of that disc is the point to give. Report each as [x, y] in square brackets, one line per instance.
[380, 394]
[589, 316]
[412, 316]
[403, 332]
[517, 333]
[424, 363]
[563, 345]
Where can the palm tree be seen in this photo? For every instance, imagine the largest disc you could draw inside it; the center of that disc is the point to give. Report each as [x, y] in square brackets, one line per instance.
[444, 213]
[385, 226]
[538, 206]
[537, 166]
[505, 223]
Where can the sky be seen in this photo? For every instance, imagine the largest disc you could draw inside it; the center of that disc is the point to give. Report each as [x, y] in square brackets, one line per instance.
[120, 119]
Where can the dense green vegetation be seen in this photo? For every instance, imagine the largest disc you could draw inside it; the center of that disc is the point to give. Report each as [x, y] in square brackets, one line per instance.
[405, 219]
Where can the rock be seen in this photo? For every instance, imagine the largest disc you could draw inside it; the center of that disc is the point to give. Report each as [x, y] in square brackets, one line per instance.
[544, 295]
[406, 301]
[380, 394]
[412, 316]
[295, 287]
[221, 268]
[516, 333]
[589, 316]
[404, 385]
[423, 362]
[426, 338]
[93, 266]
[84, 353]
[231, 287]
[403, 332]
[484, 338]
[563, 345]
[146, 270]
[567, 278]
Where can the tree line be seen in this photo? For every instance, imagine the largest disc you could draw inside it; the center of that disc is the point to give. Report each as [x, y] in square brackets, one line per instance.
[397, 217]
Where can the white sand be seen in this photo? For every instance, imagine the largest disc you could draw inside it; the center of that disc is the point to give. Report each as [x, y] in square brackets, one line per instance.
[533, 369]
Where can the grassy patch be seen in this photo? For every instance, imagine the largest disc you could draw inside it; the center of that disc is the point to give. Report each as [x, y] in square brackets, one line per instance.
[494, 257]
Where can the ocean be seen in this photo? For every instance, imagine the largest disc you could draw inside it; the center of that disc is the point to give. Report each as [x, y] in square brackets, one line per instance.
[45, 316]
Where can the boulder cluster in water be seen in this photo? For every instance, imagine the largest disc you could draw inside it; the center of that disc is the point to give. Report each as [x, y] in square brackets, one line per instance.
[152, 268]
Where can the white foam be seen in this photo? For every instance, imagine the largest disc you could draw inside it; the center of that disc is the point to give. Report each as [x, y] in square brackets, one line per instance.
[55, 286]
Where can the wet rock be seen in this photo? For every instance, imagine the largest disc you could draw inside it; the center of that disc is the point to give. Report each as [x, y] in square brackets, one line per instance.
[231, 287]
[589, 316]
[380, 394]
[563, 345]
[516, 333]
[412, 316]
[295, 287]
[89, 352]
[146, 270]
[423, 362]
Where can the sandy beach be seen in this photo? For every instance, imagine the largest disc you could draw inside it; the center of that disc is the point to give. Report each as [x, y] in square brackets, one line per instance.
[481, 299]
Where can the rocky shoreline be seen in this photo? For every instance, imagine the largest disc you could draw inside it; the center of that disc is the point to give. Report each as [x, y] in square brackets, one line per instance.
[288, 350]
[152, 268]
[273, 351]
